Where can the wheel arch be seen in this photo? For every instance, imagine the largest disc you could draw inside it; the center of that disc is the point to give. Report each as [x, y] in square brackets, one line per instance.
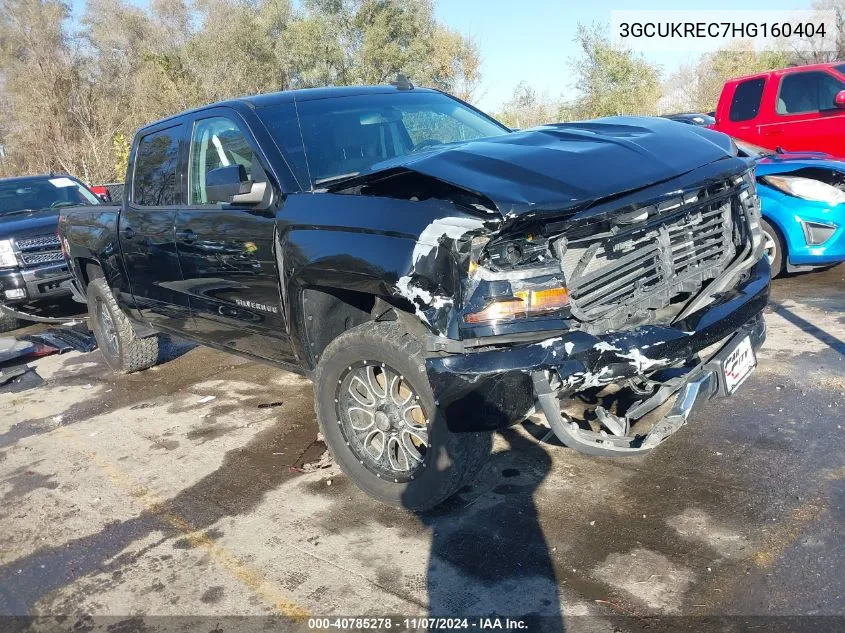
[326, 313]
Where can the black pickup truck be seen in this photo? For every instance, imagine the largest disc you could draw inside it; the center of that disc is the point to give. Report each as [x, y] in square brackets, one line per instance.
[436, 274]
[32, 267]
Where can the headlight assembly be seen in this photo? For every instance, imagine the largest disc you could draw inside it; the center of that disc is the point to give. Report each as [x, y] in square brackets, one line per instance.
[524, 303]
[7, 254]
[806, 188]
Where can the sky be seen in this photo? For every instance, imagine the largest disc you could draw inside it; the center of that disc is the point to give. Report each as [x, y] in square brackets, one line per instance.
[535, 42]
[532, 40]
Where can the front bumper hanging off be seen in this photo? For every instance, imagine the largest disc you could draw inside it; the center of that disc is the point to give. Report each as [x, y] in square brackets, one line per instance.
[701, 383]
[491, 389]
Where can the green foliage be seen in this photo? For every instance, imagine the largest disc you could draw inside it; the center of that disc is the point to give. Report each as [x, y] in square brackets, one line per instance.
[526, 108]
[120, 145]
[610, 79]
[72, 98]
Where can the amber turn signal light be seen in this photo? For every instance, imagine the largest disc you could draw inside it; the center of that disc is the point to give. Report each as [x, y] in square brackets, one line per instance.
[524, 303]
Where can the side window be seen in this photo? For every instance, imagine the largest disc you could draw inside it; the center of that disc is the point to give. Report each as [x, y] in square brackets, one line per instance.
[154, 182]
[807, 92]
[746, 101]
[216, 142]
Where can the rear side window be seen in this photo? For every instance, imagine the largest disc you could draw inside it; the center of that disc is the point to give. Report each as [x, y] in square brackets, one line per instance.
[746, 101]
[812, 91]
[154, 182]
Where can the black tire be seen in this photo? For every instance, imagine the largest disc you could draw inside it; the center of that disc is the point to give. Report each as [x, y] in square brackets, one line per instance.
[777, 250]
[123, 350]
[8, 322]
[451, 459]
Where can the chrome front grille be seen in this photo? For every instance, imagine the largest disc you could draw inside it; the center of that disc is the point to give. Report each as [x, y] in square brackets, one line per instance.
[34, 259]
[631, 269]
[41, 249]
[37, 243]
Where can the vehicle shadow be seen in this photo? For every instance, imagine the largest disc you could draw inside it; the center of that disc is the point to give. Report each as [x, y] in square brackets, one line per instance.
[489, 557]
[828, 339]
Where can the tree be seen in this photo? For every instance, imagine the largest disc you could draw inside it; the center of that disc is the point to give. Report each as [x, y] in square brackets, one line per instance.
[526, 108]
[814, 52]
[72, 98]
[612, 79]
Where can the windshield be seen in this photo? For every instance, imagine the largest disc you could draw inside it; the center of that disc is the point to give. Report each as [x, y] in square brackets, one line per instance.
[46, 193]
[345, 136]
[750, 150]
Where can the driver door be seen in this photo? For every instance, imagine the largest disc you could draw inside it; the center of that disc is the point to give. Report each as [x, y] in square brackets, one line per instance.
[226, 250]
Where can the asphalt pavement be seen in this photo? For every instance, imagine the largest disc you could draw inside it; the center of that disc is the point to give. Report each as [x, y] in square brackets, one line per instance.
[191, 496]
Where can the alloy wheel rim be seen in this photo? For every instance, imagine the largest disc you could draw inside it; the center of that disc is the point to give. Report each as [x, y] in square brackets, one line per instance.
[770, 246]
[382, 421]
[107, 327]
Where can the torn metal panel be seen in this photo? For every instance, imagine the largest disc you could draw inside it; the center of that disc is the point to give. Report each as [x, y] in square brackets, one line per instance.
[442, 246]
[583, 361]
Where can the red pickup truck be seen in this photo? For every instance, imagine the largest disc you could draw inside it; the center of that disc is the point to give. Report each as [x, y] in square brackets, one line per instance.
[797, 109]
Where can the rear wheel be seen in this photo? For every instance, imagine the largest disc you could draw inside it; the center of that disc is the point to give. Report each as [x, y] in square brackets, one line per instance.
[377, 414]
[122, 349]
[774, 248]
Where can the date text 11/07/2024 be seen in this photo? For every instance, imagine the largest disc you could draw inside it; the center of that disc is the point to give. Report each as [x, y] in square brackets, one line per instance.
[402, 623]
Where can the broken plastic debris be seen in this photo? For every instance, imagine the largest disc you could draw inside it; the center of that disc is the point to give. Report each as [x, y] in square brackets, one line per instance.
[325, 461]
[205, 399]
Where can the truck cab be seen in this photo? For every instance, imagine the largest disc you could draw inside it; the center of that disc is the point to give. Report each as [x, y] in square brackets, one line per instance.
[796, 109]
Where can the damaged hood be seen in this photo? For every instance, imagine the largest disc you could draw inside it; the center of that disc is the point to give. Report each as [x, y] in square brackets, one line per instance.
[563, 166]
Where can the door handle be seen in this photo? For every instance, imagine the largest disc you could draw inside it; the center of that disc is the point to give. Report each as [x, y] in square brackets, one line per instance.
[129, 233]
[187, 236]
[772, 132]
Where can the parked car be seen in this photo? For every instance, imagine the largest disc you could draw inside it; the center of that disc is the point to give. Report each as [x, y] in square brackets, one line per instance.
[434, 273]
[802, 199]
[797, 109]
[32, 267]
[692, 118]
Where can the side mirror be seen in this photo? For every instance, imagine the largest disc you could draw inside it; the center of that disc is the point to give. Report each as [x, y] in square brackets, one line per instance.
[224, 183]
[231, 184]
[839, 100]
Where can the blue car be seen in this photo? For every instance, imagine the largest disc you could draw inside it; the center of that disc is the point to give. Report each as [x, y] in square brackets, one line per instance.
[802, 195]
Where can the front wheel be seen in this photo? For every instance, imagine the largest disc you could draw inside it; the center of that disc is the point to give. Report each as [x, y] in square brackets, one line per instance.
[377, 414]
[774, 247]
[122, 349]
